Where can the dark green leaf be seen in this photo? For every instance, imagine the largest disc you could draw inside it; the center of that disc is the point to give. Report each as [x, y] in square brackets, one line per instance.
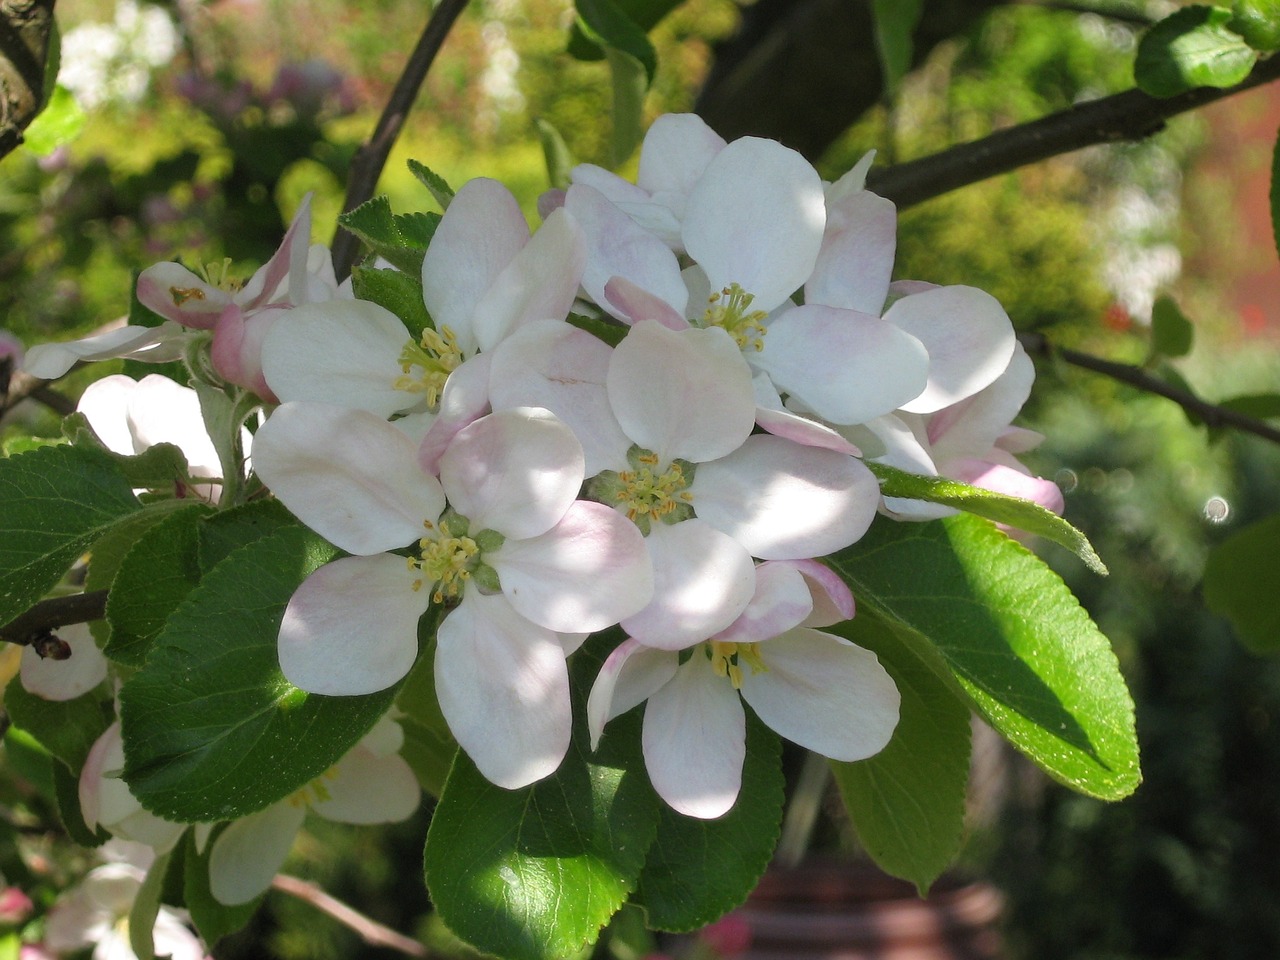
[54, 502]
[698, 870]
[66, 728]
[896, 22]
[436, 184]
[146, 907]
[1012, 511]
[907, 802]
[556, 153]
[161, 466]
[630, 83]
[212, 730]
[155, 576]
[1171, 332]
[66, 789]
[608, 25]
[981, 610]
[397, 291]
[1242, 581]
[213, 920]
[229, 530]
[645, 14]
[1194, 47]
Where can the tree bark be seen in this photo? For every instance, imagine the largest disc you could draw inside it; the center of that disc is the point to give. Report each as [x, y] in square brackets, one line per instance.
[25, 28]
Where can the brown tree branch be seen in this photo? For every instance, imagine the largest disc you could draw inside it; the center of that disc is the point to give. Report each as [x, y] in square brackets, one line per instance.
[1131, 115]
[25, 27]
[55, 612]
[1212, 414]
[372, 932]
[372, 155]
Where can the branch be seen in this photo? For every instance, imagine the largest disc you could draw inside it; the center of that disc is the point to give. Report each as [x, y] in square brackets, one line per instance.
[372, 932]
[1212, 414]
[23, 385]
[25, 26]
[55, 612]
[372, 155]
[1131, 115]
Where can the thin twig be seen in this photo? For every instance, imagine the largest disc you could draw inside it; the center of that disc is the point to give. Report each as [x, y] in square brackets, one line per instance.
[1131, 115]
[23, 386]
[53, 613]
[369, 160]
[372, 932]
[1212, 414]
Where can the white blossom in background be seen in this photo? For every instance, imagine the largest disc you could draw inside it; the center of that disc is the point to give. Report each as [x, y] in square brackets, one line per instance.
[499, 83]
[1142, 257]
[112, 63]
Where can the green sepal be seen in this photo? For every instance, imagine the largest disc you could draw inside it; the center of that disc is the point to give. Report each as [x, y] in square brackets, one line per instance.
[146, 907]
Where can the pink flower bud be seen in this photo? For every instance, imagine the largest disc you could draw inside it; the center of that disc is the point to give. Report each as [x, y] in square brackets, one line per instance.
[15, 906]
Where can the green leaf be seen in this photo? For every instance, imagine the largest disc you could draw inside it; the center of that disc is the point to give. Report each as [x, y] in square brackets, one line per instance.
[54, 502]
[162, 466]
[1258, 22]
[213, 920]
[1194, 47]
[1171, 332]
[533, 874]
[895, 23]
[1263, 406]
[907, 802]
[65, 728]
[630, 84]
[212, 730]
[400, 239]
[66, 790]
[154, 578]
[429, 746]
[396, 291]
[556, 152]
[435, 184]
[1012, 511]
[60, 122]
[229, 530]
[645, 14]
[698, 870]
[990, 617]
[1242, 581]
[146, 907]
[607, 331]
[609, 26]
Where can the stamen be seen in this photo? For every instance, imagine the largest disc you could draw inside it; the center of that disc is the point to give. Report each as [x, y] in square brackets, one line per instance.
[727, 659]
[746, 326]
[436, 355]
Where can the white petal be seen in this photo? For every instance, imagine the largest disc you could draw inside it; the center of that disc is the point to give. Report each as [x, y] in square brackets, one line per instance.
[824, 693]
[247, 855]
[749, 184]
[364, 788]
[347, 474]
[832, 598]
[628, 677]
[772, 416]
[480, 234]
[352, 626]
[783, 501]
[65, 679]
[969, 338]
[584, 574]
[856, 259]
[847, 367]
[694, 741]
[344, 352]
[554, 365]
[48, 361]
[781, 601]
[162, 411]
[675, 154]
[684, 394]
[465, 399]
[105, 404]
[504, 690]
[702, 581]
[973, 426]
[515, 471]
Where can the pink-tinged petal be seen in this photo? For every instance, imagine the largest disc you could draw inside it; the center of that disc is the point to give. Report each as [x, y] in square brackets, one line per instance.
[832, 598]
[282, 279]
[1009, 480]
[247, 855]
[1018, 440]
[104, 800]
[161, 411]
[105, 404]
[347, 474]
[683, 394]
[504, 690]
[480, 233]
[540, 283]
[614, 187]
[781, 601]
[694, 741]
[853, 181]
[676, 151]
[352, 626]
[177, 294]
[344, 352]
[772, 416]
[550, 201]
[366, 788]
[584, 574]
[48, 361]
[66, 679]
[749, 183]
[783, 501]
[972, 426]
[631, 304]
[628, 677]
[236, 350]
[847, 367]
[553, 365]
[515, 471]
[464, 400]
[969, 338]
[853, 267]
[702, 581]
[618, 247]
[824, 693]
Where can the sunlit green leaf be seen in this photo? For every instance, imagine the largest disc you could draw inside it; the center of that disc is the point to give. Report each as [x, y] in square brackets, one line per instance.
[58, 123]
[436, 185]
[397, 291]
[1258, 22]
[1193, 47]
[610, 25]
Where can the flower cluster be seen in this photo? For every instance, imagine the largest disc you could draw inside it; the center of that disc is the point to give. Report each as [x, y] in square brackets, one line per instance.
[654, 413]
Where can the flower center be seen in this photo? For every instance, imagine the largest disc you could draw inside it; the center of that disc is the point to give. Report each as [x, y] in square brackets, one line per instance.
[435, 355]
[647, 493]
[314, 792]
[731, 309]
[448, 558]
[727, 659]
[217, 274]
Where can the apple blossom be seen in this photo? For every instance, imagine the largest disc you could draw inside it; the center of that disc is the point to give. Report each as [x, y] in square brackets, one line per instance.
[64, 678]
[107, 801]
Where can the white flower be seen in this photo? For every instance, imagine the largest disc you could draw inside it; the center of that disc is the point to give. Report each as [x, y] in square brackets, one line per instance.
[67, 678]
[106, 800]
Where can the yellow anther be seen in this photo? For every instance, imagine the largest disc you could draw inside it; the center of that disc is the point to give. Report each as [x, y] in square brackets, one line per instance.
[727, 659]
[435, 355]
[182, 294]
[746, 326]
